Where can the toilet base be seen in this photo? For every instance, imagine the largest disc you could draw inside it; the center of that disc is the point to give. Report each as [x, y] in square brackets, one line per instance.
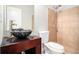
[47, 51]
[52, 50]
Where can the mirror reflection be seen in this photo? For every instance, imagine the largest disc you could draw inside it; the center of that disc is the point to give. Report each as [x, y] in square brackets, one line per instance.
[18, 16]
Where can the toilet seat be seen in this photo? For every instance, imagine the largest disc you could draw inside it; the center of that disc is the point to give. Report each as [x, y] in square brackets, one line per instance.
[54, 47]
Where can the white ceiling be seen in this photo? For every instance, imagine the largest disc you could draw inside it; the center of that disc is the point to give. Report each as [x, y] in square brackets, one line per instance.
[61, 7]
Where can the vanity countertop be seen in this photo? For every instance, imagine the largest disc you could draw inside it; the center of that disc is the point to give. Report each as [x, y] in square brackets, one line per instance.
[11, 40]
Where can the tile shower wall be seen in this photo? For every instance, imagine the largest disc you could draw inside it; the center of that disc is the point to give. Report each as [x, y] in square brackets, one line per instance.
[68, 26]
[52, 25]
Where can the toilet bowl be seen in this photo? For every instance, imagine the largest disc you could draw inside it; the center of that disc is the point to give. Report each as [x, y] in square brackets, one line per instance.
[50, 47]
[53, 48]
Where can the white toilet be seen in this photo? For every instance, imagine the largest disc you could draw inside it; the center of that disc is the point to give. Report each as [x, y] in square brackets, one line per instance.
[50, 47]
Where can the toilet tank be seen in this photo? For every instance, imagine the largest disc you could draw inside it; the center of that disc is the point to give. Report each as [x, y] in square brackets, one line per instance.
[44, 35]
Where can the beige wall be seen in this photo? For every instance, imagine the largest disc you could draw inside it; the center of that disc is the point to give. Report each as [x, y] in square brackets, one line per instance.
[68, 29]
[40, 18]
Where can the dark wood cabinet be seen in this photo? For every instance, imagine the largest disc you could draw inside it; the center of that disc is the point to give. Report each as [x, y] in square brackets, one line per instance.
[31, 45]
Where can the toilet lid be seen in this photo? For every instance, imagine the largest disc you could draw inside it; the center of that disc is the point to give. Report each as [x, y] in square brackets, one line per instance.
[55, 47]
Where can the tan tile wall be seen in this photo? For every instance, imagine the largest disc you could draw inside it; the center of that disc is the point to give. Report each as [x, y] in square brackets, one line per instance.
[52, 25]
[68, 29]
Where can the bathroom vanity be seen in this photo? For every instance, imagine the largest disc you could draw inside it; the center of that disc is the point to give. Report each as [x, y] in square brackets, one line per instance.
[31, 45]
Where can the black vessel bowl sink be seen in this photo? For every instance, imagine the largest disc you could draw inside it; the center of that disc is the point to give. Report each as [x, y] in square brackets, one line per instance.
[21, 34]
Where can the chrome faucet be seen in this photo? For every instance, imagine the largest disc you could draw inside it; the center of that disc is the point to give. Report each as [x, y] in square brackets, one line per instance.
[11, 25]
